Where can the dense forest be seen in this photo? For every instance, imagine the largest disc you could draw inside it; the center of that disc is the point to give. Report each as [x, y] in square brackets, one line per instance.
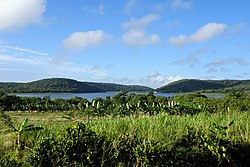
[212, 86]
[63, 85]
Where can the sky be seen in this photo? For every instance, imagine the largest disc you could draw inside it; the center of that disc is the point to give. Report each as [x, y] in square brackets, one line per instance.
[145, 42]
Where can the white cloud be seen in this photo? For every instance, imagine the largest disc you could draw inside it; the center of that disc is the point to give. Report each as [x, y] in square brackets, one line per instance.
[17, 55]
[140, 23]
[25, 50]
[19, 13]
[78, 41]
[19, 60]
[137, 38]
[18, 66]
[6, 59]
[155, 79]
[130, 5]
[204, 33]
[181, 4]
[136, 35]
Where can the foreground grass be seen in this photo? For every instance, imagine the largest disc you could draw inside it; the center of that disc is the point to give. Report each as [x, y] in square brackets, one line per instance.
[159, 127]
[168, 127]
[162, 128]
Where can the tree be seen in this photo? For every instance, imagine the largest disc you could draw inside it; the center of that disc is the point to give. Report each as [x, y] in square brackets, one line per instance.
[120, 97]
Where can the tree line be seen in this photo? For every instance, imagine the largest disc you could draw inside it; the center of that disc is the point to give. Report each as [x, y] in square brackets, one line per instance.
[126, 104]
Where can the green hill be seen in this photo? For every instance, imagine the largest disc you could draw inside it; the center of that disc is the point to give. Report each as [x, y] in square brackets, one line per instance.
[63, 85]
[109, 87]
[193, 85]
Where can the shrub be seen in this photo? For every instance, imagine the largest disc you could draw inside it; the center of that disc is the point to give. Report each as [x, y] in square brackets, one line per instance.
[77, 146]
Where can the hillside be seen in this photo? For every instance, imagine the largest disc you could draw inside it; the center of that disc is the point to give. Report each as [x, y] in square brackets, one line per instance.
[62, 85]
[109, 87]
[193, 85]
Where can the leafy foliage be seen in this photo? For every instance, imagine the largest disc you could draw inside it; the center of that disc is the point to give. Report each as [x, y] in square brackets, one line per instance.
[21, 132]
[77, 146]
[124, 104]
[81, 147]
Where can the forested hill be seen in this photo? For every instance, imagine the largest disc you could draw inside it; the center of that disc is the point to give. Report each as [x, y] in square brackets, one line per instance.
[109, 87]
[193, 85]
[63, 85]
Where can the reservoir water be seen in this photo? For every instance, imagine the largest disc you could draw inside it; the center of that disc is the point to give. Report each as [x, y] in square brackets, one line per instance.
[88, 96]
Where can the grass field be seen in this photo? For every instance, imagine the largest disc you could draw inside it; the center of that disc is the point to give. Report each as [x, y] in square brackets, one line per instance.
[158, 127]
[186, 134]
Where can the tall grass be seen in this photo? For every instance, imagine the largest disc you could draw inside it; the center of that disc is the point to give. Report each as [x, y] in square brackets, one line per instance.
[161, 127]
[165, 127]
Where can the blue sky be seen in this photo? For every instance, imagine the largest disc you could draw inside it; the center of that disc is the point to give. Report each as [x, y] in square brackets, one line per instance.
[143, 42]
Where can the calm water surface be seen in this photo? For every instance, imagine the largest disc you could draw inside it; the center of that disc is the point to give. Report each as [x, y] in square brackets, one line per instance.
[88, 96]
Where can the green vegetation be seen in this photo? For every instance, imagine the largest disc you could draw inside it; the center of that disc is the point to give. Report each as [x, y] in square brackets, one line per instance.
[212, 86]
[126, 130]
[62, 85]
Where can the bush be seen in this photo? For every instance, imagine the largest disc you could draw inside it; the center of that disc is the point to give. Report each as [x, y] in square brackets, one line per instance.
[78, 146]
[75, 147]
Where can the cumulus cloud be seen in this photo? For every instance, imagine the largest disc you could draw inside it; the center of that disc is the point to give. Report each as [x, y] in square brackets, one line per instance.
[181, 4]
[157, 80]
[19, 13]
[204, 33]
[136, 38]
[140, 23]
[154, 80]
[136, 35]
[78, 41]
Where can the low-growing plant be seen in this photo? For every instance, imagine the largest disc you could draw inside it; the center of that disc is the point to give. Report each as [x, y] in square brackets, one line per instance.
[8, 161]
[77, 146]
